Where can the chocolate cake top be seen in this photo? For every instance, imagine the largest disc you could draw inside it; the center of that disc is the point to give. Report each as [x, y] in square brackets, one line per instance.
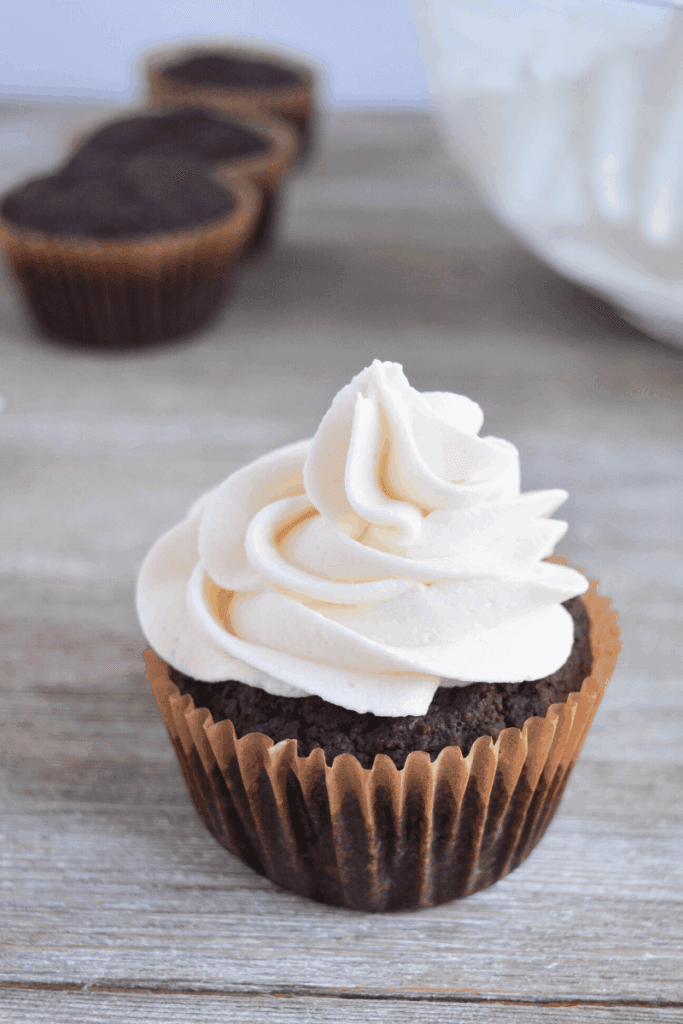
[223, 70]
[457, 716]
[193, 132]
[100, 199]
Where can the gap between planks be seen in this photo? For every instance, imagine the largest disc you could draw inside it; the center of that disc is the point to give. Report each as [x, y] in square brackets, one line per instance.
[402, 995]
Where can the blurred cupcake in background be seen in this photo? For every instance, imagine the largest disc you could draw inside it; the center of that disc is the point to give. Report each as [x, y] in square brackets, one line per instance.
[126, 253]
[234, 147]
[237, 78]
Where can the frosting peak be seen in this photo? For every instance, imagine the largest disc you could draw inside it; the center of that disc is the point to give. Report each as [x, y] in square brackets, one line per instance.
[390, 554]
[390, 455]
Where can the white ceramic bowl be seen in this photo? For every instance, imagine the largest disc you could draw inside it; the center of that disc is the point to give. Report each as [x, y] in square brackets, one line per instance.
[568, 117]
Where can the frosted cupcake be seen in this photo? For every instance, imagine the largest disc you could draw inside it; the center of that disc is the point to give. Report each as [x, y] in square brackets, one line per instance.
[375, 682]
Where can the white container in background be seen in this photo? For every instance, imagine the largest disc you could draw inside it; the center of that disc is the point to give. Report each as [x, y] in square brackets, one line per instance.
[568, 117]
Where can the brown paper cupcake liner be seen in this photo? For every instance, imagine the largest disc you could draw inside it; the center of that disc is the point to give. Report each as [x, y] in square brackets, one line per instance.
[385, 839]
[122, 293]
[291, 103]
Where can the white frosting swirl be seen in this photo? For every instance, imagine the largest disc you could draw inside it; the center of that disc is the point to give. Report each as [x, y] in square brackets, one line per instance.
[390, 554]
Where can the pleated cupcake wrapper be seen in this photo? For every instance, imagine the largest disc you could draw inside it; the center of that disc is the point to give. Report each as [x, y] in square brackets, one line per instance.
[130, 292]
[382, 839]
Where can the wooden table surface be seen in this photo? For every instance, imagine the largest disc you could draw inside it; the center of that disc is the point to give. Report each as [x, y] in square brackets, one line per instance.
[117, 905]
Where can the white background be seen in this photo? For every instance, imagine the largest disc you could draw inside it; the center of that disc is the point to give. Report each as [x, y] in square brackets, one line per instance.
[87, 47]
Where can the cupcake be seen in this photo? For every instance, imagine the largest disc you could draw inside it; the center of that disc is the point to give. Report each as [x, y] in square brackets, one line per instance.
[375, 678]
[235, 147]
[125, 253]
[237, 80]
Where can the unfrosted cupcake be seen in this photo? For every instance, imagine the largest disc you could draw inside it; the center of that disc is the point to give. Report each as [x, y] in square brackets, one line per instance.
[375, 681]
[236, 79]
[126, 253]
[236, 147]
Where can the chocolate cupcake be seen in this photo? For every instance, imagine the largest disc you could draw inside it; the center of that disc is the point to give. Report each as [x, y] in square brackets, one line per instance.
[235, 79]
[457, 715]
[125, 253]
[375, 676]
[235, 147]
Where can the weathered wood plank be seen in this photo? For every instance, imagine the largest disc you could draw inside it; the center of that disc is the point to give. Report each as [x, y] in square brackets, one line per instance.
[60, 1007]
[141, 894]
[108, 877]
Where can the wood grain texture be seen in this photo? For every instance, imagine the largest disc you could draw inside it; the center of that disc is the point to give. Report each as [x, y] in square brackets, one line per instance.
[88, 1007]
[108, 877]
